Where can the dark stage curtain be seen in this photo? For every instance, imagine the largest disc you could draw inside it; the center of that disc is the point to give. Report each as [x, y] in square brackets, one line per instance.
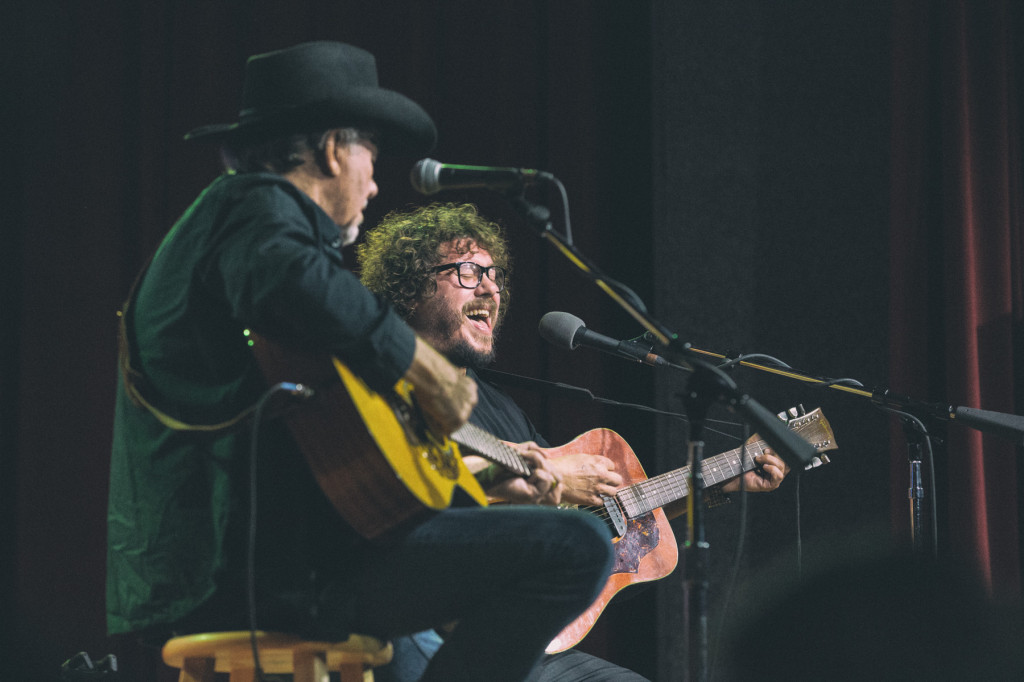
[957, 255]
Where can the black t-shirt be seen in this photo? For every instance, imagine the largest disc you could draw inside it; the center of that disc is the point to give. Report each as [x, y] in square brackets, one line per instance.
[499, 415]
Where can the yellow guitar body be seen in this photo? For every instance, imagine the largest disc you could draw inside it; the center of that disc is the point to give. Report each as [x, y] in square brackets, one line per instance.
[429, 466]
[373, 456]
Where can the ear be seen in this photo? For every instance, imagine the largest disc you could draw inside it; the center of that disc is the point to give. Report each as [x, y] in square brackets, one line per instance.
[330, 162]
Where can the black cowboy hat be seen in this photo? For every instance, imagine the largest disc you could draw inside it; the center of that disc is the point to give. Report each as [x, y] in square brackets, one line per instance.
[320, 85]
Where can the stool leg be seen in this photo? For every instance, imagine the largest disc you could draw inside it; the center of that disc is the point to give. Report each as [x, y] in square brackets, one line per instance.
[355, 672]
[310, 666]
[197, 670]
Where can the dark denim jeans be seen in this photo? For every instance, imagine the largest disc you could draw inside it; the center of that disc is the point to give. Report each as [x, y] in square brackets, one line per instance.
[413, 653]
[512, 576]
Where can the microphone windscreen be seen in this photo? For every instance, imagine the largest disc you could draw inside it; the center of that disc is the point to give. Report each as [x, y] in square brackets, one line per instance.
[425, 176]
[560, 329]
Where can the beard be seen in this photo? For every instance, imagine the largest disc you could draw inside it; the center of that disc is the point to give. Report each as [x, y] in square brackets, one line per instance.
[349, 234]
[461, 354]
[444, 325]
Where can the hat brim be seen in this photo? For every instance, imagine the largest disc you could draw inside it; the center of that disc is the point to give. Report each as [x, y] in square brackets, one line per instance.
[404, 126]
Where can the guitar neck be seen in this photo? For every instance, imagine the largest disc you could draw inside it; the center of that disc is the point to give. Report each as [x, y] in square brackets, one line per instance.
[492, 449]
[646, 496]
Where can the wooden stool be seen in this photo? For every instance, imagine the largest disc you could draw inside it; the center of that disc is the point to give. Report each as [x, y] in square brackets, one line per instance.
[200, 656]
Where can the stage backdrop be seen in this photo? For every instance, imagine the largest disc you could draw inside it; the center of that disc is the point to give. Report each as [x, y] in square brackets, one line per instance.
[771, 134]
[838, 185]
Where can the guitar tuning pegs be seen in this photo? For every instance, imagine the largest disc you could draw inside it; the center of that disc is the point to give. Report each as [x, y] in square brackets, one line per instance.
[802, 409]
[825, 459]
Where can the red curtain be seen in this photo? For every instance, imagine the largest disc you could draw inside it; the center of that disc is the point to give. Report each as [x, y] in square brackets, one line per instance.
[957, 246]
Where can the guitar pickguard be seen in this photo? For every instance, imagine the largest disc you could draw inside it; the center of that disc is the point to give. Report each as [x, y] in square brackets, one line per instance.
[641, 538]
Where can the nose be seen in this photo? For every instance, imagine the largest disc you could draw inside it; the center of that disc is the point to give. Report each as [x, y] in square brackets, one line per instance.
[488, 285]
[373, 189]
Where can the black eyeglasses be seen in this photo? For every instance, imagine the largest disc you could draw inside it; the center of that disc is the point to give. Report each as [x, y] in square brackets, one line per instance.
[472, 274]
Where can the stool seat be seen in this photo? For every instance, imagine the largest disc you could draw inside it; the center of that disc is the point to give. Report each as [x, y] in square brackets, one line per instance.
[199, 656]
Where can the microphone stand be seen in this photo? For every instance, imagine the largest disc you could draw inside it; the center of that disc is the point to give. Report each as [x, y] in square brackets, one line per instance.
[913, 412]
[915, 493]
[697, 565]
[708, 384]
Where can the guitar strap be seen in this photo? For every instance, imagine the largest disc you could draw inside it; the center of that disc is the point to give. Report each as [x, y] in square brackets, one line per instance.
[133, 378]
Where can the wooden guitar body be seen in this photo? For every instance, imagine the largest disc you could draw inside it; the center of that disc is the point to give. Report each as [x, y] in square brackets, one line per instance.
[647, 551]
[645, 547]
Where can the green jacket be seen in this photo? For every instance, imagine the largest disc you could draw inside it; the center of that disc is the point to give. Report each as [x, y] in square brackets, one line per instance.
[252, 252]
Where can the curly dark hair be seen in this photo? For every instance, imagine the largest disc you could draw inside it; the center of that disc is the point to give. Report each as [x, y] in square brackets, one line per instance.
[398, 254]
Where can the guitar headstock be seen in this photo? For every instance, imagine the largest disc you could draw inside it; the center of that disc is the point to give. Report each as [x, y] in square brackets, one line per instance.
[814, 428]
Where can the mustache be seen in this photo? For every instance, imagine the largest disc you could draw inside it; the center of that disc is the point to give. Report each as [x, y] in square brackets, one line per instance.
[489, 305]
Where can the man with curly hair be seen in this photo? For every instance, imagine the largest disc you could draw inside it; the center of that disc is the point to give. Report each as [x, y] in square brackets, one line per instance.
[400, 258]
[447, 271]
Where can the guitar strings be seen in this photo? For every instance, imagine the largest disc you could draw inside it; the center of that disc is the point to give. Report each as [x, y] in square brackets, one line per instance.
[727, 465]
[670, 486]
[664, 488]
[644, 496]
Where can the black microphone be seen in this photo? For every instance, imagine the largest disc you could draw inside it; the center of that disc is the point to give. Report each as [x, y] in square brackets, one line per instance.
[429, 176]
[568, 331]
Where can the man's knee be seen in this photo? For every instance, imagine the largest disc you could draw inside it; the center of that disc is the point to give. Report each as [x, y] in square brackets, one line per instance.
[587, 543]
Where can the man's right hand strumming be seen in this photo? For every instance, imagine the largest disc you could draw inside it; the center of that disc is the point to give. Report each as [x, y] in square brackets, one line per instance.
[445, 394]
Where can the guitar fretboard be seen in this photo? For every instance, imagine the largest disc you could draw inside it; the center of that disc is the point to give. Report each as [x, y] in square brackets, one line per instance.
[645, 496]
[490, 448]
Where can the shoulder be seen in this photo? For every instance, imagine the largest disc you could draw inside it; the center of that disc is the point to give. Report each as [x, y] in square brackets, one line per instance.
[266, 202]
[246, 189]
[497, 413]
[490, 393]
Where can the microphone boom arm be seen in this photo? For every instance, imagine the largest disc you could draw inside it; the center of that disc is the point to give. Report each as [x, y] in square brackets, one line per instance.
[540, 218]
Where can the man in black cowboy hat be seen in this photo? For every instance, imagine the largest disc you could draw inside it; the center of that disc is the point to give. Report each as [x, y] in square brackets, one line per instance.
[259, 250]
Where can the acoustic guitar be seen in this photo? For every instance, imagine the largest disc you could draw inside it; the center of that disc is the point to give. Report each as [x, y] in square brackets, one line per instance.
[645, 546]
[374, 456]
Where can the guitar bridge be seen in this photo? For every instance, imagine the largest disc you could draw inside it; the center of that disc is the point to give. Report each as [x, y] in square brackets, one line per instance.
[439, 452]
[616, 518]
